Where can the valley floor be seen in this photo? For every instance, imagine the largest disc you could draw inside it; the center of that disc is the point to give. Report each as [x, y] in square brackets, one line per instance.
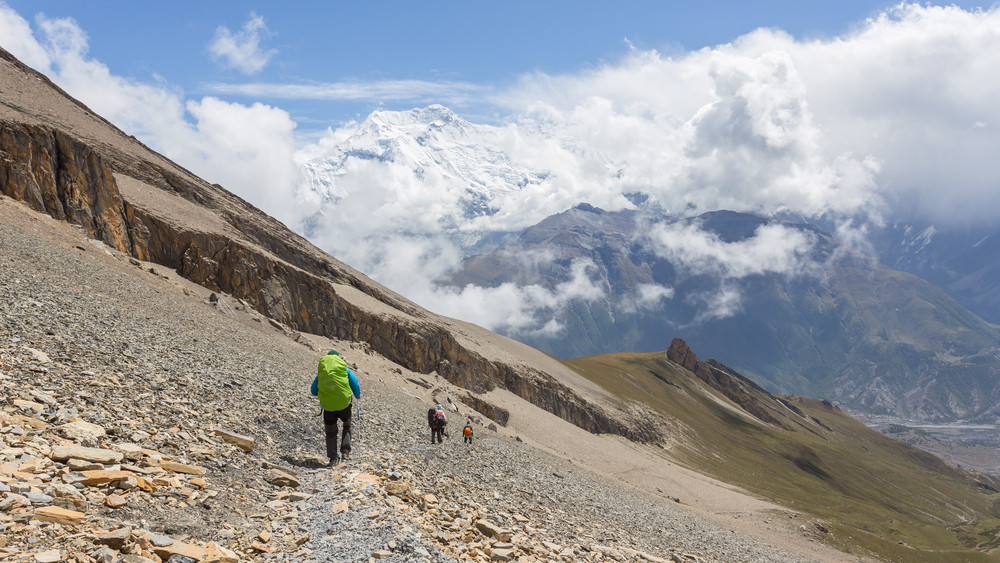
[974, 447]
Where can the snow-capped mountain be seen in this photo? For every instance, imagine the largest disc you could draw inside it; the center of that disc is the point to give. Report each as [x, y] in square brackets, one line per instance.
[464, 166]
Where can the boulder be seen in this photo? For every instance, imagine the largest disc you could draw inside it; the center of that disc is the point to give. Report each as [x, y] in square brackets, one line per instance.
[58, 515]
[115, 539]
[280, 478]
[101, 477]
[95, 455]
[397, 488]
[177, 467]
[131, 452]
[115, 501]
[215, 553]
[180, 548]
[81, 431]
[488, 529]
[50, 556]
[244, 443]
[12, 501]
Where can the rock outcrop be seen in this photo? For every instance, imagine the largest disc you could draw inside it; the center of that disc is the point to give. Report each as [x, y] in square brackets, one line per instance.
[56, 174]
[737, 388]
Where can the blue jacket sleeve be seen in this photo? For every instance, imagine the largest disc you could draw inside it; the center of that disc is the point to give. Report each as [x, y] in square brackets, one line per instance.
[355, 388]
[314, 390]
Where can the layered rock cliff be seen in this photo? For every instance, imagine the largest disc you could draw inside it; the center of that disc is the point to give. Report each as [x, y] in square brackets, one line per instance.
[54, 162]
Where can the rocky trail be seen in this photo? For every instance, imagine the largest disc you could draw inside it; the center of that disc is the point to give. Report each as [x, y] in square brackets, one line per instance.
[144, 419]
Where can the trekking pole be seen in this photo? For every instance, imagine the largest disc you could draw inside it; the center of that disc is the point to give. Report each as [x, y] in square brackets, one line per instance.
[359, 417]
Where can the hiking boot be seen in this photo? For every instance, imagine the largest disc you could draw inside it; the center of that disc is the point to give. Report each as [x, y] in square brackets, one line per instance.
[333, 462]
[345, 455]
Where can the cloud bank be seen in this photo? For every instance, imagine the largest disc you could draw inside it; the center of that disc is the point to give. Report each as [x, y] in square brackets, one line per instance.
[898, 110]
[895, 116]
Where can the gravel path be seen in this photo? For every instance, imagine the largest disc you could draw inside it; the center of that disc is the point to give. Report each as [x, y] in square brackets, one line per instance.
[134, 349]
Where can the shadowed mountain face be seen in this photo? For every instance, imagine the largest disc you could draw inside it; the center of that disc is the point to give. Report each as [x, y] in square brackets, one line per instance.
[843, 327]
[964, 261]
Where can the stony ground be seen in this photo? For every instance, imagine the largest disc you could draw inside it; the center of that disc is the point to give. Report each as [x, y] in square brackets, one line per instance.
[141, 419]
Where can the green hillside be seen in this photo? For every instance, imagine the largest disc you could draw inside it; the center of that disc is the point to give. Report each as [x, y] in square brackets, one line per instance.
[875, 495]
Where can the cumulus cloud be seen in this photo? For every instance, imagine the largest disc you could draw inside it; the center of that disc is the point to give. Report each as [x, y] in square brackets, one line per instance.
[529, 310]
[773, 249]
[724, 302]
[647, 297]
[247, 149]
[19, 39]
[414, 264]
[242, 50]
[897, 111]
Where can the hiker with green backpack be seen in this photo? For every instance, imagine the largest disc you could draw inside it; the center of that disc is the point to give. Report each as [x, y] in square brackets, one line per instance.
[335, 383]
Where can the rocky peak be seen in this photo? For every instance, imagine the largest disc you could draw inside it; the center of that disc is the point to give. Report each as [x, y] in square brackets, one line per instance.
[745, 393]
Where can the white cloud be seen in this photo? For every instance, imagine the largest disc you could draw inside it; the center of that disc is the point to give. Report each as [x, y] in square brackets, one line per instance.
[247, 149]
[647, 297]
[242, 50]
[512, 309]
[725, 302]
[773, 249]
[19, 40]
[650, 294]
[415, 91]
[412, 264]
[892, 111]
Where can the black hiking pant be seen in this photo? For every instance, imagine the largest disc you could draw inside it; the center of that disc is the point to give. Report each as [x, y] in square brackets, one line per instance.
[437, 433]
[330, 419]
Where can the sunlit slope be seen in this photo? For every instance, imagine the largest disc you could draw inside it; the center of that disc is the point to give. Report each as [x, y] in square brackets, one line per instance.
[870, 491]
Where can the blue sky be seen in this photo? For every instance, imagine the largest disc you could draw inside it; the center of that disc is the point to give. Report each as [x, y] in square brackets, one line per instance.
[472, 46]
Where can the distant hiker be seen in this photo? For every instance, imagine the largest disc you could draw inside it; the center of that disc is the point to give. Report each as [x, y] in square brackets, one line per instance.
[437, 421]
[334, 385]
[467, 432]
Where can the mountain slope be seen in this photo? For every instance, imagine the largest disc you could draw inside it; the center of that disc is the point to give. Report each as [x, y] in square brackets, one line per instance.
[962, 260]
[93, 340]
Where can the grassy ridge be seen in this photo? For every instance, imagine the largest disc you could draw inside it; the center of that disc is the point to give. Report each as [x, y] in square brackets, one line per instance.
[873, 492]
